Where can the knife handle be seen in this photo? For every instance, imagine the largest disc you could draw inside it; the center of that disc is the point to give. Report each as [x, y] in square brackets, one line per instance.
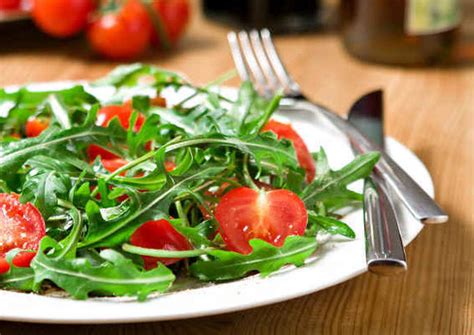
[420, 204]
[385, 253]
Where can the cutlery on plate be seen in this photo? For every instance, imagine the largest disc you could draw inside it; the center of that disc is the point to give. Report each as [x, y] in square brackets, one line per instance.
[385, 254]
[256, 59]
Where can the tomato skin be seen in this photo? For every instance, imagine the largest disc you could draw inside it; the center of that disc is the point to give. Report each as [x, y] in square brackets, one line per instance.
[112, 165]
[244, 214]
[175, 16]
[23, 259]
[122, 112]
[4, 266]
[21, 225]
[121, 35]
[35, 126]
[305, 159]
[159, 234]
[93, 151]
[62, 18]
[10, 5]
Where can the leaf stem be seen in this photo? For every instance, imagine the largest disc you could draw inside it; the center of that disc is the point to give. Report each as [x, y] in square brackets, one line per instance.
[161, 253]
[181, 213]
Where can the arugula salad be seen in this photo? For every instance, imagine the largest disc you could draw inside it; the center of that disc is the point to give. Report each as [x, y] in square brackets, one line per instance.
[119, 194]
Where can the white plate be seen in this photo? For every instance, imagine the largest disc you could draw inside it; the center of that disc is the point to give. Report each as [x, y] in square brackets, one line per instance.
[336, 261]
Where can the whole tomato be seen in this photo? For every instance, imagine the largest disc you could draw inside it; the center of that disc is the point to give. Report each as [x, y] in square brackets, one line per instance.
[62, 18]
[174, 15]
[121, 34]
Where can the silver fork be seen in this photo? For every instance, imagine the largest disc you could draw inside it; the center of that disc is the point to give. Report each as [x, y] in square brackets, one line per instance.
[257, 59]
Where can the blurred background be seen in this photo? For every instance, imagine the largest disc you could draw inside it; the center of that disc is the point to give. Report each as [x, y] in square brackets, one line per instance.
[394, 32]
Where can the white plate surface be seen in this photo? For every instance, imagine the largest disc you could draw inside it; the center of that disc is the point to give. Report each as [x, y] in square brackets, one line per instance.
[336, 261]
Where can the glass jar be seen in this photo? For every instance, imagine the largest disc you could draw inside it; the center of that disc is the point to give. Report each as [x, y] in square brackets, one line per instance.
[404, 32]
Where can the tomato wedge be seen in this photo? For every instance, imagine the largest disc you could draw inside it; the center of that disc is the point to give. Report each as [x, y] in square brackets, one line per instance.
[244, 214]
[35, 126]
[159, 234]
[21, 226]
[305, 159]
[104, 116]
[122, 112]
[94, 150]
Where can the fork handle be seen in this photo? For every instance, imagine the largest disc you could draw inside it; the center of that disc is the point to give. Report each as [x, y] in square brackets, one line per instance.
[385, 254]
[418, 202]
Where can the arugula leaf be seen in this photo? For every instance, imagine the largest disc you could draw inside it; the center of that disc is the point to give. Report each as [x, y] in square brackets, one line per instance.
[143, 207]
[116, 275]
[334, 182]
[265, 258]
[14, 154]
[130, 75]
[47, 180]
[331, 225]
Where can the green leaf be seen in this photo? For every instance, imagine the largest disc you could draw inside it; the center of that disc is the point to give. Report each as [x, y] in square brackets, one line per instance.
[143, 207]
[14, 154]
[47, 180]
[265, 258]
[130, 75]
[116, 275]
[331, 225]
[335, 182]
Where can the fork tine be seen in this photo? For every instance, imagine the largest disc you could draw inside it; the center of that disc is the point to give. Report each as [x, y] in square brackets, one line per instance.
[277, 64]
[253, 64]
[237, 56]
[263, 59]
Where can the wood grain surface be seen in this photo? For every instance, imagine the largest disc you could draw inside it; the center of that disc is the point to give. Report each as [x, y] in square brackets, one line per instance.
[429, 110]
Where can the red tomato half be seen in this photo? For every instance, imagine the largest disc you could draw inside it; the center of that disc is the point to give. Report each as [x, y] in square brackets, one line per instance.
[121, 35]
[305, 159]
[175, 17]
[159, 234]
[21, 226]
[112, 165]
[244, 214]
[35, 126]
[122, 112]
[93, 151]
[4, 266]
[62, 18]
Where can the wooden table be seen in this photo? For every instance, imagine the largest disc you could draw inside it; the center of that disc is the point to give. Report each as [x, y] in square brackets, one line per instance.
[429, 110]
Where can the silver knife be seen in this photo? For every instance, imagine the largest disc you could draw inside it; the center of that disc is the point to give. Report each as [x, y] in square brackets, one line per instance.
[418, 202]
[385, 253]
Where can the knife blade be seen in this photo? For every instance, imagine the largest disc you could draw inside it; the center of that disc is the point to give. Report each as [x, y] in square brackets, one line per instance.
[415, 199]
[385, 254]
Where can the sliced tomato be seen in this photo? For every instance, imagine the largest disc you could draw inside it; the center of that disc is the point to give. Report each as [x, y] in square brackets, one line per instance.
[93, 151]
[305, 159]
[23, 259]
[35, 126]
[122, 112]
[244, 214]
[4, 266]
[112, 165]
[21, 226]
[159, 234]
